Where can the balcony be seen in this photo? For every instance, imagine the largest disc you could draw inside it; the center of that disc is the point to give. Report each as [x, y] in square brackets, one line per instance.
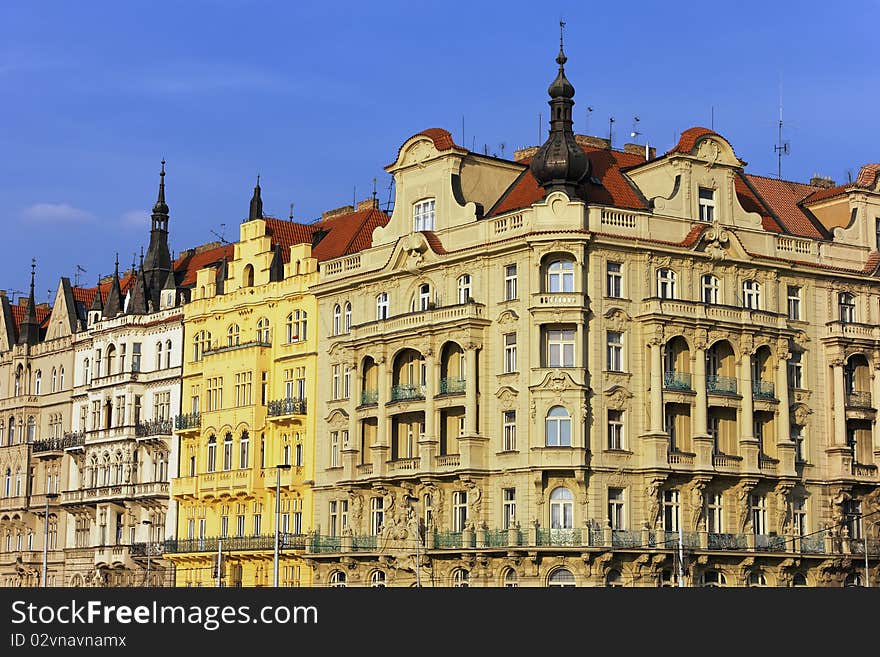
[114, 379]
[713, 313]
[13, 503]
[859, 399]
[720, 385]
[114, 555]
[235, 347]
[154, 428]
[407, 391]
[369, 397]
[676, 457]
[262, 542]
[188, 421]
[405, 465]
[286, 406]
[115, 492]
[763, 389]
[457, 316]
[447, 461]
[557, 299]
[677, 380]
[71, 440]
[452, 385]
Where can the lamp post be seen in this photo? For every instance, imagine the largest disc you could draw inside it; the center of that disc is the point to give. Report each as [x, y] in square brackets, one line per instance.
[278, 469]
[148, 524]
[46, 536]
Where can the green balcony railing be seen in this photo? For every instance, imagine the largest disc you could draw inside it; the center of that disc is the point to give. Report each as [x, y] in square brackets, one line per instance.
[406, 391]
[369, 397]
[452, 385]
[677, 380]
[721, 385]
[188, 421]
[763, 389]
[286, 406]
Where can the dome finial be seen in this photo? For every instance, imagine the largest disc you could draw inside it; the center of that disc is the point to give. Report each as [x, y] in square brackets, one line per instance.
[561, 58]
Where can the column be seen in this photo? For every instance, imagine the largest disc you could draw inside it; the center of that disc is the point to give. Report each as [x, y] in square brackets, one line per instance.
[748, 404]
[838, 395]
[702, 401]
[354, 400]
[430, 391]
[470, 355]
[383, 383]
[783, 421]
[656, 387]
[875, 397]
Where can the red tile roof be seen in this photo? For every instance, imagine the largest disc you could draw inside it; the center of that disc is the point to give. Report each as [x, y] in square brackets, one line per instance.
[18, 312]
[752, 203]
[434, 242]
[868, 175]
[186, 266]
[348, 233]
[288, 233]
[830, 192]
[442, 141]
[87, 294]
[689, 138]
[783, 197]
[613, 188]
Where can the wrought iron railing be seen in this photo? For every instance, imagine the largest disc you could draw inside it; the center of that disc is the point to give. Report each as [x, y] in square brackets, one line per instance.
[404, 391]
[562, 537]
[188, 421]
[153, 428]
[234, 543]
[146, 549]
[326, 543]
[858, 399]
[763, 389]
[448, 540]
[498, 538]
[727, 542]
[286, 406]
[369, 397]
[769, 543]
[451, 385]
[625, 538]
[813, 544]
[363, 543]
[677, 380]
[722, 385]
[68, 440]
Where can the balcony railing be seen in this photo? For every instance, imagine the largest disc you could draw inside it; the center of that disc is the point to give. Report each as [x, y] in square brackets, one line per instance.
[721, 385]
[153, 428]
[234, 543]
[677, 380]
[406, 391]
[369, 397]
[858, 399]
[188, 421]
[570, 537]
[68, 440]
[287, 406]
[452, 385]
[240, 345]
[763, 389]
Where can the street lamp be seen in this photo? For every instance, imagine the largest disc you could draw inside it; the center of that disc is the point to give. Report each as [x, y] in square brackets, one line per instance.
[46, 536]
[278, 469]
[148, 525]
[414, 519]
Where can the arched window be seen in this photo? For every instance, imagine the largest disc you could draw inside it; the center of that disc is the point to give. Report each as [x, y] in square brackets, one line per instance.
[159, 355]
[7, 485]
[557, 428]
[560, 276]
[422, 299]
[382, 305]
[263, 331]
[714, 578]
[11, 434]
[212, 454]
[18, 380]
[613, 578]
[757, 579]
[117, 468]
[197, 346]
[105, 468]
[347, 320]
[233, 335]
[54, 385]
[38, 380]
[798, 580]
[710, 289]
[296, 325]
[337, 319]
[227, 452]
[93, 471]
[18, 482]
[111, 360]
[31, 429]
[423, 215]
[244, 450]
[511, 581]
[337, 579]
[561, 508]
[377, 579]
[561, 578]
[86, 378]
[247, 279]
[751, 295]
[61, 379]
[846, 304]
[460, 578]
[665, 283]
[167, 354]
[464, 288]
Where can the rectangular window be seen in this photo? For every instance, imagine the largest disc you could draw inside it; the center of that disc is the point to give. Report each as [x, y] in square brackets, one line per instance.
[508, 508]
[751, 295]
[334, 518]
[615, 429]
[423, 215]
[459, 510]
[614, 342]
[713, 426]
[799, 516]
[797, 437]
[794, 302]
[346, 383]
[707, 204]
[258, 523]
[714, 515]
[510, 282]
[334, 386]
[509, 431]
[614, 280]
[343, 515]
[616, 508]
[224, 526]
[509, 352]
[759, 514]
[377, 515]
[334, 449]
[560, 348]
[136, 357]
[671, 508]
[795, 371]
[119, 411]
[239, 525]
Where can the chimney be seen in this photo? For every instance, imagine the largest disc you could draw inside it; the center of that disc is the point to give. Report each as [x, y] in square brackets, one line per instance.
[329, 214]
[367, 204]
[593, 142]
[638, 149]
[522, 153]
[824, 182]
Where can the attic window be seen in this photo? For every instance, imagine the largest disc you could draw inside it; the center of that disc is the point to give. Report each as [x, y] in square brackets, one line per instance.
[707, 204]
[423, 215]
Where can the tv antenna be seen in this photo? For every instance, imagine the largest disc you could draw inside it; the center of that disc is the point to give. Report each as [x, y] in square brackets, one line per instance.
[12, 294]
[291, 211]
[587, 127]
[501, 148]
[782, 147]
[389, 204]
[220, 234]
[635, 132]
[610, 129]
[79, 270]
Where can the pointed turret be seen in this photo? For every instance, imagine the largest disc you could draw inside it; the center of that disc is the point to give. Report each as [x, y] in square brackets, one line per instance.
[157, 261]
[256, 209]
[560, 164]
[138, 303]
[276, 268]
[97, 301]
[220, 279]
[113, 307]
[29, 331]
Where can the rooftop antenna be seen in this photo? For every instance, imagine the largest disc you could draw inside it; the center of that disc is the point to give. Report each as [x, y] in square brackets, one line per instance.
[610, 130]
[587, 127]
[501, 147]
[291, 211]
[782, 147]
[462, 129]
[635, 132]
[76, 275]
[354, 197]
[12, 294]
[220, 234]
[712, 118]
[374, 190]
[388, 204]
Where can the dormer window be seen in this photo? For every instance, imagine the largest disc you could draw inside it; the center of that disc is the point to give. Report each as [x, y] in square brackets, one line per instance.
[707, 204]
[423, 215]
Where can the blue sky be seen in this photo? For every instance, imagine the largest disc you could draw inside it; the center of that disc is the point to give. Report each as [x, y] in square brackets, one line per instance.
[317, 97]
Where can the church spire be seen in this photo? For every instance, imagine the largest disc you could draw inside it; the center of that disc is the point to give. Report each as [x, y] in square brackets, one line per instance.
[29, 333]
[97, 301]
[157, 262]
[560, 164]
[256, 209]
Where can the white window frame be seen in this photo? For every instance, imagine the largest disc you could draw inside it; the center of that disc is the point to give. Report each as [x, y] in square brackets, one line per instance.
[509, 352]
[715, 513]
[846, 306]
[423, 214]
[561, 343]
[751, 294]
[666, 278]
[459, 510]
[706, 200]
[710, 289]
[758, 510]
[464, 288]
[561, 508]
[560, 276]
[614, 280]
[382, 305]
[510, 282]
[794, 302]
[617, 508]
[557, 427]
[508, 508]
[614, 351]
[508, 431]
[616, 438]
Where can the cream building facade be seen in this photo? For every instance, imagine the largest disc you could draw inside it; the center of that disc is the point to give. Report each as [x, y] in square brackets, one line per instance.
[590, 366]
